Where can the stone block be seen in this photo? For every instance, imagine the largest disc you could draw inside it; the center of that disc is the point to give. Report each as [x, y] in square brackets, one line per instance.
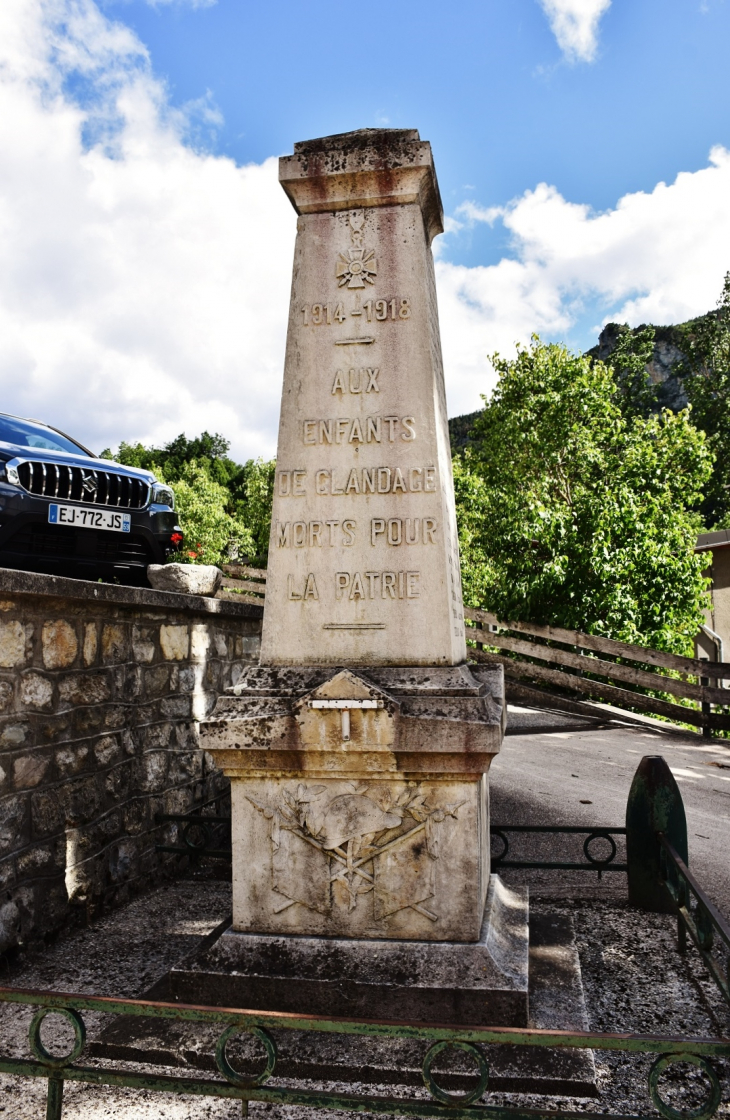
[188, 579]
[36, 692]
[9, 926]
[213, 675]
[449, 982]
[155, 771]
[39, 858]
[176, 707]
[91, 643]
[114, 643]
[6, 695]
[60, 644]
[116, 716]
[29, 770]
[222, 641]
[83, 799]
[88, 720]
[13, 734]
[107, 750]
[13, 823]
[174, 642]
[200, 641]
[144, 645]
[12, 644]
[70, 760]
[156, 736]
[118, 782]
[48, 813]
[85, 688]
[157, 681]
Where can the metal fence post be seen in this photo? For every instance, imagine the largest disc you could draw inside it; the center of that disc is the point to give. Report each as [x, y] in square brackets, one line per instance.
[54, 1100]
[654, 805]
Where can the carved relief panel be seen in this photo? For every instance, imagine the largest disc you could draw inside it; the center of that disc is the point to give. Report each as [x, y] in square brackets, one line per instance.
[363, 859]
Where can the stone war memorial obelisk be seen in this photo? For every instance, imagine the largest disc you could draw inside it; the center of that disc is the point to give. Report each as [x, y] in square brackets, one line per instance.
[359, 749]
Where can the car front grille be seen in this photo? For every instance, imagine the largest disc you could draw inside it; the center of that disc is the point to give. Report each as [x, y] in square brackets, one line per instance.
[85, 545]
[81, 484]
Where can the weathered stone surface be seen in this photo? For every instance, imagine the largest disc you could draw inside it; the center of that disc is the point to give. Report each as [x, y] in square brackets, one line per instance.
[36, 691]
[74, 750]
[175, 642]
[359, 750]
[91, 642]
[12, 644]
[60, 644]
[114, 644]
[363, 559]
[484, 982]
[84, 688]
[13, 734]
[6, 695]
[29, 770]
[187, 579]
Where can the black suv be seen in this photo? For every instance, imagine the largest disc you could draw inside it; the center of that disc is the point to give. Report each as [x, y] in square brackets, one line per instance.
[65, 512]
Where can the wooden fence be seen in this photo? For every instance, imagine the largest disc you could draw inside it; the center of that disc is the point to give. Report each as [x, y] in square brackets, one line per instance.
[243, 584]
[540, 669]
[539, 657]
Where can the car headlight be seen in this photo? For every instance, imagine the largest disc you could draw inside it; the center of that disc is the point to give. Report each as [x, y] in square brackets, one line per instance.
[163, 495]
[9, 473]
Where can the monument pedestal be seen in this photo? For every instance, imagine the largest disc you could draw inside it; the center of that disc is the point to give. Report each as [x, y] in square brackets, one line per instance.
[483, 982]
[359, 799]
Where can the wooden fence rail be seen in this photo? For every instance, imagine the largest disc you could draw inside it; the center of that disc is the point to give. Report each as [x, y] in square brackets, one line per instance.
[585, 669]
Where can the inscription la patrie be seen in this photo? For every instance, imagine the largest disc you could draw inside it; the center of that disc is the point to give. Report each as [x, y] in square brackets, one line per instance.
[349, 488]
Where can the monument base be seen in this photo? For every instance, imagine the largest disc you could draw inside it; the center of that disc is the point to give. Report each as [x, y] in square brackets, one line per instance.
[430, 981]
[556, 1002]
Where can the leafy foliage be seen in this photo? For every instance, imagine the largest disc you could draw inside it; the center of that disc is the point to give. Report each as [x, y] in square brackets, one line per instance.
[707, 382]
[224, 507]
[576, 514]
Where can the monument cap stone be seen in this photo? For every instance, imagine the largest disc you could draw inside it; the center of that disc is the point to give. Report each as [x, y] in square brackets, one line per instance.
[369, 167]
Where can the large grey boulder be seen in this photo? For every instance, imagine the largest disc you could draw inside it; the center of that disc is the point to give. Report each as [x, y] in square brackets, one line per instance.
[188, 579]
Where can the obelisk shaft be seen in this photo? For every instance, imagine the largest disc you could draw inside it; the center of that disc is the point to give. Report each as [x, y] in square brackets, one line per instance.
[363, 558]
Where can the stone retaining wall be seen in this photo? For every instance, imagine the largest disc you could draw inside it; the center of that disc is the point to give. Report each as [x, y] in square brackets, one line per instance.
[101, 688]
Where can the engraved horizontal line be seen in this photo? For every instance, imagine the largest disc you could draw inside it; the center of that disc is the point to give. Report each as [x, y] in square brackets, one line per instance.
[354, 341]
[353, 626]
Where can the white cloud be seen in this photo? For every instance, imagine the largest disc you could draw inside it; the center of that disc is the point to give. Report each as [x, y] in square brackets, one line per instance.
[143, 285]
[574, 24]
[657, 257]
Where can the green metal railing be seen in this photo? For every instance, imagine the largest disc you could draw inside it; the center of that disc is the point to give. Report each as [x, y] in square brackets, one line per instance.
[696, 915]
[58, 1069]
[592, 861]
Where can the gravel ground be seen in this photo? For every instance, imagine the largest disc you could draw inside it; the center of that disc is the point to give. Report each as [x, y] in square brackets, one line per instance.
[634, 980]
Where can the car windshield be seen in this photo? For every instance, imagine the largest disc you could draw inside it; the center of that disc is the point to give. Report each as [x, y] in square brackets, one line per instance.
[24, 433]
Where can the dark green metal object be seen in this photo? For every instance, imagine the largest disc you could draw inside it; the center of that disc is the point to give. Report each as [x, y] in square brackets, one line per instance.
[655, 805]
[591, 862]
[696, 915]
[440, 1106]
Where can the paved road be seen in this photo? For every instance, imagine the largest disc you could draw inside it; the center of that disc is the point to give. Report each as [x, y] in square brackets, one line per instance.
[583, 776]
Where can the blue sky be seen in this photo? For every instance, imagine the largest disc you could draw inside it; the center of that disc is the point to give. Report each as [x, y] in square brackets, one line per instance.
[485, 82]
[582, 147]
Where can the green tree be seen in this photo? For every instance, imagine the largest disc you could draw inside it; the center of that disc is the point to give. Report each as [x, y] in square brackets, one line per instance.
[224, 506]
[574, 514]
[707, 383]
[213, 535]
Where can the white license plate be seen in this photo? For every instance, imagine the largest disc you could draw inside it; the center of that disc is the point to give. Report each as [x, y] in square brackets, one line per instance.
[89, 518]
